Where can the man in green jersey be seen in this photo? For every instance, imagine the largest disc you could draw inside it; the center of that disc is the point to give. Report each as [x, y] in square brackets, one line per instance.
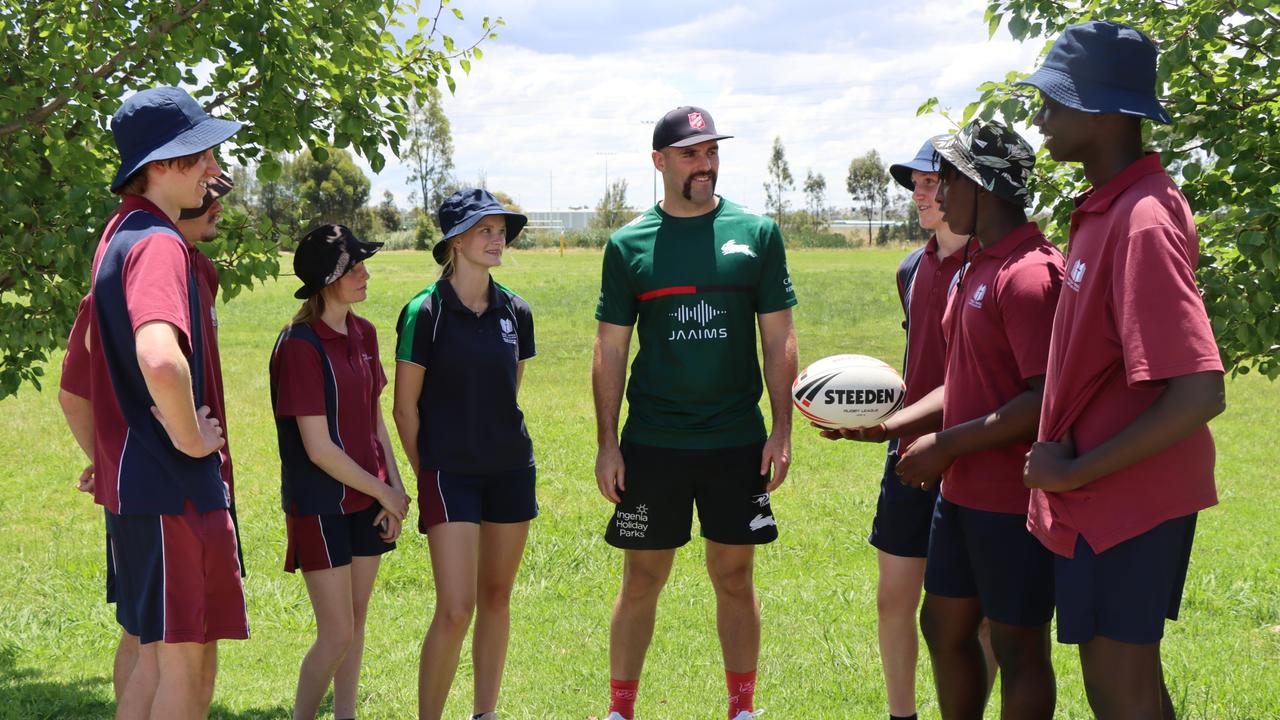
[699, 274]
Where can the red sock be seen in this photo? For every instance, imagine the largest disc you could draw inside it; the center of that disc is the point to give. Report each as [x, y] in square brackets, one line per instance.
[742, 691]
[622, 697]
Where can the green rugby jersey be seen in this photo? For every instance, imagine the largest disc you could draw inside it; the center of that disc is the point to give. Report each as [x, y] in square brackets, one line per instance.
[696, 285]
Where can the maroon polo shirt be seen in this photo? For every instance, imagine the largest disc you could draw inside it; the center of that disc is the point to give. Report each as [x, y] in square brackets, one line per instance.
[925, 365]
[997, 326]
[1130, 318]
[152, 282]
[75, 364]
[359, 377]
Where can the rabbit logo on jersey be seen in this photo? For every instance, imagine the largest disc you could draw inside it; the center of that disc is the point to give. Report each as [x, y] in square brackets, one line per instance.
[699, 314]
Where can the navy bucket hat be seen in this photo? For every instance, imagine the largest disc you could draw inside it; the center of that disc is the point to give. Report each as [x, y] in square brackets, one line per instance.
[1101, 67]
[462, 210]
[163, 123]
[924, 161]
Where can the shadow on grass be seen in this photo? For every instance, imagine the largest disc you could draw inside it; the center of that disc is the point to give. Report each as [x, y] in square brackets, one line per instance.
[23, 694]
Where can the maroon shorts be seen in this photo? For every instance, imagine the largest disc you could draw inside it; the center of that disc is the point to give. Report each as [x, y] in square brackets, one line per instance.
[320, 542]
[178, 576]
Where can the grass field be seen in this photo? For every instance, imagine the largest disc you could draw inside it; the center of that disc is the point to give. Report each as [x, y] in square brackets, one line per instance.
[819, 657]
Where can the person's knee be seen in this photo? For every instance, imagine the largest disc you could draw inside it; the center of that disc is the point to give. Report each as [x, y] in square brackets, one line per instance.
[1021, 649]
[896, 599]
[642, 583]
[732, 580]
[493, 597]
[454, 615]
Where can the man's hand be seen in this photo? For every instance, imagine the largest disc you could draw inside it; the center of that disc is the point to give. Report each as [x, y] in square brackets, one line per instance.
[208, 440]
[873, 434]
[85, 483]
[777, 452]
[922, 465]
[611, 473]
[1049, 467]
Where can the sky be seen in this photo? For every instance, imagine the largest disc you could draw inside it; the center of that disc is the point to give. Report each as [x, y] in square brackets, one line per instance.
[569, 91]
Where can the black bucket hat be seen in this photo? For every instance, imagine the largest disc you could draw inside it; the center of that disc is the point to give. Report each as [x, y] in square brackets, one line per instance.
[462, 210]
[1101, 67]
[326, 254]
[992, 155]
[926, 160]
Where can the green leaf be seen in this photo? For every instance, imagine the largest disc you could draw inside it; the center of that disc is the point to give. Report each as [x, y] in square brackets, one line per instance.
[1017, 27]
[1191, 171]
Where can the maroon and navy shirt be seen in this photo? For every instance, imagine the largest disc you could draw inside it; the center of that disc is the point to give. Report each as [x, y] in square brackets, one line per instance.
[1130, 318]
[997, 326]
[75, 364]
[317, 371]
[924, 296]
[144, 271]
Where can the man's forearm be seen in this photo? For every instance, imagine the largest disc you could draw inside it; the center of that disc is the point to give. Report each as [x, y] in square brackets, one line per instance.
[920, 417]
[1016, 421]
[608, 377]
[781, 365]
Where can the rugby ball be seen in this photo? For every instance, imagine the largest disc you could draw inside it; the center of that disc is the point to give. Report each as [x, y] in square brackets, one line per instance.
[848, 391]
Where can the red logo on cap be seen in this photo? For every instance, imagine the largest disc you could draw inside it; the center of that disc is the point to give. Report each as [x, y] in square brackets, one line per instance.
[696, 122]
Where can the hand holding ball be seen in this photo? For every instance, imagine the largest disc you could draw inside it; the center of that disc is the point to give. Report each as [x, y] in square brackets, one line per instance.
[848, 391]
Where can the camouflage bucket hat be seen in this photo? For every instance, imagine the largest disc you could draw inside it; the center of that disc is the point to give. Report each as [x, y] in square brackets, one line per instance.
[992, 155]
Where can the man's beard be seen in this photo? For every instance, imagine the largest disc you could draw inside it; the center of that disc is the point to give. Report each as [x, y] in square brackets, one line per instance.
[688, 184]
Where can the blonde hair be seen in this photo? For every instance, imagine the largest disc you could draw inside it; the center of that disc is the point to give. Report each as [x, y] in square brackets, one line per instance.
[450, 260]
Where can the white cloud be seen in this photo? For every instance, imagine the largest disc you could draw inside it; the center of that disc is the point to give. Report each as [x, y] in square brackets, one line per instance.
[542, 123]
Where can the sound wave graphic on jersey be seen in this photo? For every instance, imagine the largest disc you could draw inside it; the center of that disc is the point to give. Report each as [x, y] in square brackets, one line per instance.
[702, 313]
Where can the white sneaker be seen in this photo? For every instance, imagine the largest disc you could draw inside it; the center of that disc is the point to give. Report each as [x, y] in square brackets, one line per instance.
[748, 715]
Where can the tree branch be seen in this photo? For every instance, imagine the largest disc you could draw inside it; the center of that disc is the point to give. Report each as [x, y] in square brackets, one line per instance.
[104, 69]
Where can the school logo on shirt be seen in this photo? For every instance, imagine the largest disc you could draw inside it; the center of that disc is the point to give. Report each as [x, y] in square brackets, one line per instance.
[1076, 276]
[733, 246]
[702, 313]
[508, 330]
[975, 300]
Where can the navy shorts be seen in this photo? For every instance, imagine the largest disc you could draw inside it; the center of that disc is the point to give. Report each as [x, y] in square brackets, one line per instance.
[178, 577]
[320, 542]
[1128, 591]
[664, 485]
[992, 556]
[903, 515]
[504, 497]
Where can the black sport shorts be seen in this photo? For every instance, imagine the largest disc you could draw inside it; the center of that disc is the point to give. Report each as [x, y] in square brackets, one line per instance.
[664, 484]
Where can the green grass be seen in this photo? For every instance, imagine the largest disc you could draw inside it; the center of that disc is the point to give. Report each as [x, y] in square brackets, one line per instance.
[816, 584]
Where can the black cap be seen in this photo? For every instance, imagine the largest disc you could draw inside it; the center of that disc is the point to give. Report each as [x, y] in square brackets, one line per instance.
[326, 254]
[216, 188]
[686, 125]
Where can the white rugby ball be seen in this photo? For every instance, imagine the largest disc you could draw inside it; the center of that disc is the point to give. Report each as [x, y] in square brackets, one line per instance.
[848, 391]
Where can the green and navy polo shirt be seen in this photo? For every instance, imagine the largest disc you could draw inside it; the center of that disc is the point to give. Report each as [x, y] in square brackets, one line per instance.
[469, 421]
[696, 285]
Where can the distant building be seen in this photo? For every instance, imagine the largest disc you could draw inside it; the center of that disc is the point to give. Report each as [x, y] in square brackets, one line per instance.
[557, 220]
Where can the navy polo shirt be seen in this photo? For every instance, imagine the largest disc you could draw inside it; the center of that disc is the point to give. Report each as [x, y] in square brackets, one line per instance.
[469, 421]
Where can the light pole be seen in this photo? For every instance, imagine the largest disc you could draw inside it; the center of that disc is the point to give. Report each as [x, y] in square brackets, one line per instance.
[606, 170]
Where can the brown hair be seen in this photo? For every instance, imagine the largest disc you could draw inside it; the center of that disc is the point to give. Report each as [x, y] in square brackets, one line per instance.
[311, 309]
[137, 182]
